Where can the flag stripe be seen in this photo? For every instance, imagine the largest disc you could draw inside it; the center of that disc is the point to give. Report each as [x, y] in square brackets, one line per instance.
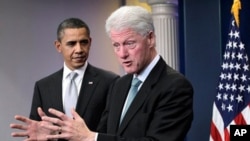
[217, 124]
[215, 133]
[239, 120]
[246, 115]
[227, 136]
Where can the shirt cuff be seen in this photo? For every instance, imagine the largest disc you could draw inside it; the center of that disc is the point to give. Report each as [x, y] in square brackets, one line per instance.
[96, 135]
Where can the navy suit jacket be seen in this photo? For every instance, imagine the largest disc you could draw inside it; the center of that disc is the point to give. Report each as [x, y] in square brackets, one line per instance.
[161, 111]
[91, 100]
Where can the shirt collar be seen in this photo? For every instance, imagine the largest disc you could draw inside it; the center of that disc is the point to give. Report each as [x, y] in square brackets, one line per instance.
[79, 71]
[144, 74]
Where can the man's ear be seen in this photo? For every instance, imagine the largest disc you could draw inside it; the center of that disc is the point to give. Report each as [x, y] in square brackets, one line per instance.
[151, 39]
[90, 41]
[57, 45]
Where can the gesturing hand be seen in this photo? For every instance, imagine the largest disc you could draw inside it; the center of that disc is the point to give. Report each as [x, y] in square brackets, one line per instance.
[72, 129]
[31, 129]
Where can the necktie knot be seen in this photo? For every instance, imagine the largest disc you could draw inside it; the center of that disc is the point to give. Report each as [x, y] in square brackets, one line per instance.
[136, 82]
[73, 75]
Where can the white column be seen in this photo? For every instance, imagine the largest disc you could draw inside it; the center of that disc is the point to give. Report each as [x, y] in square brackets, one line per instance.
[165, 17]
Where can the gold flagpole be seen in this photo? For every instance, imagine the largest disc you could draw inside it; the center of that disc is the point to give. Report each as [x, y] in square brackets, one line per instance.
[235, 11]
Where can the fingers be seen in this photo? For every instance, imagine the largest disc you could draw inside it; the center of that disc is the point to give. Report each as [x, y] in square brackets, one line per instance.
[75, 115]
[40, 112]
[59, 129]
[19, 134]
[59, 114]
[52, 120]
[22, 119]
[53, 128]
[55, 121]
[18, 126]
[57, 136]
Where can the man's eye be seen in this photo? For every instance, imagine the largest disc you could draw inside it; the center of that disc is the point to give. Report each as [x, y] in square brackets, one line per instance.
[84, 42]
[130, 44]
[116, 45]
[71, 44]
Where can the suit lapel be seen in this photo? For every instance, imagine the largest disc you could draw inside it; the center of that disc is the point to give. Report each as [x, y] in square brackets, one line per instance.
[135, 106]
[118, 100]
[56, 90]
[143, 93]
[89, 83]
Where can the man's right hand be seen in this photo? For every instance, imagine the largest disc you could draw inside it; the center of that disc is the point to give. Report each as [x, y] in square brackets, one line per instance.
[32, 129]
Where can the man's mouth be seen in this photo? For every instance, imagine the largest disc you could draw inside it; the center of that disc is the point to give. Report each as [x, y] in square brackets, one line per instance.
[127, 63]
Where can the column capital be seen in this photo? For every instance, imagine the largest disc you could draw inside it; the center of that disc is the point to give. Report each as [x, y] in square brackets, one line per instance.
[152, 2]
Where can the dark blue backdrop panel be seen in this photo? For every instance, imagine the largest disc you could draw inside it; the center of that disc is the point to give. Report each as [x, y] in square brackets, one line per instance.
[202, 53]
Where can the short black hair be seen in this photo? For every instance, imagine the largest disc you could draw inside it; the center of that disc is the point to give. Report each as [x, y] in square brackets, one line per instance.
[71, 23]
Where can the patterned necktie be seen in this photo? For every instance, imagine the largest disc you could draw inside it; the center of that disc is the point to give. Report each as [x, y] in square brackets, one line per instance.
[71, 95]
[131, 95]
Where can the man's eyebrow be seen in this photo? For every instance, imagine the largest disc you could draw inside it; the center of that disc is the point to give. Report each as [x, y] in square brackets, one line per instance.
[71, 42]
[84, 40]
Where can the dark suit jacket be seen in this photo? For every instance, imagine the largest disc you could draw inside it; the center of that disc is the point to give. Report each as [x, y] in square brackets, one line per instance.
[161, 111]
[92, 97]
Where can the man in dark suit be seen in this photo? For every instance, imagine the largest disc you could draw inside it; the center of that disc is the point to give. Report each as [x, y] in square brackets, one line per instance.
[73, 42]
[162, 109]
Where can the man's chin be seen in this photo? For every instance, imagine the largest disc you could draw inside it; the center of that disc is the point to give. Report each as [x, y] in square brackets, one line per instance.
[129, 70]
[79, 65]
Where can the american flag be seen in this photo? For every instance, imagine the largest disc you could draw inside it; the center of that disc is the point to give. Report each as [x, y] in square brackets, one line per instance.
[232, 100]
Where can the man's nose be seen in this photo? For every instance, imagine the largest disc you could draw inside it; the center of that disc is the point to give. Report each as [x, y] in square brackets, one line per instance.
[78, 47]
[123, 52]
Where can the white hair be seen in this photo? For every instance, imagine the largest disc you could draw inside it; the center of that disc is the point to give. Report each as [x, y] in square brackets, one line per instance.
[130, 17]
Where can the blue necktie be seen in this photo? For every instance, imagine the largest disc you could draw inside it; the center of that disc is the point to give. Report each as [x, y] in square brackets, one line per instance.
[71, 95]
[131, 95]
